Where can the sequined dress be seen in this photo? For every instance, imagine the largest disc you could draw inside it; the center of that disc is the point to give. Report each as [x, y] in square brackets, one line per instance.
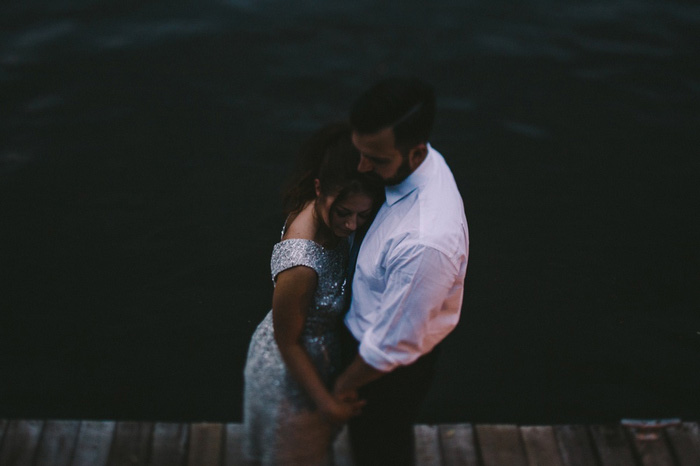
[281, 424]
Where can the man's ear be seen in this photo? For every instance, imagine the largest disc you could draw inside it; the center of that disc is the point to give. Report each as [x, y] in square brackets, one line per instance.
[317, 186]
[416, 155]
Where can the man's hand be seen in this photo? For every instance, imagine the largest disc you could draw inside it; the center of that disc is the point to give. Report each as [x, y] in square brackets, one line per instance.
[339, 411]
[357, 374]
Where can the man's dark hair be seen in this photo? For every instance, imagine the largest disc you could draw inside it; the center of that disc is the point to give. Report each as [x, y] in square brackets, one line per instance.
[405, 104]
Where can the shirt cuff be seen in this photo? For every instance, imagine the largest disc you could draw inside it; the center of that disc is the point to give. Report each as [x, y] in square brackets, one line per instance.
[381, 361]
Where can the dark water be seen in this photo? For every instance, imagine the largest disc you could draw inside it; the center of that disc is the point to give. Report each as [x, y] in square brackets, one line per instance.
[142, 146]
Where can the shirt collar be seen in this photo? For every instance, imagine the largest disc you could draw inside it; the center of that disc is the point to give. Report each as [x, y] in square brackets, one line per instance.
[414, 181]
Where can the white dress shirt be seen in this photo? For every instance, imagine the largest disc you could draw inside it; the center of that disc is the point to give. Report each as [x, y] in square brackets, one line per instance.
[409, 279]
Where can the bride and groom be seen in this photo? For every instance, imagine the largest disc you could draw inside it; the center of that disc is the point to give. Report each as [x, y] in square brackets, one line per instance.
[358, 343]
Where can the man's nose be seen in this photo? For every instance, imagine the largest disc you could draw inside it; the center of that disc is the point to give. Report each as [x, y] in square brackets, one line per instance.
[365, 165]
[351, 223]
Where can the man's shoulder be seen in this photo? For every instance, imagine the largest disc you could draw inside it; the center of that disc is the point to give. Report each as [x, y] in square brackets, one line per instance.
[431, 213]
[431, 230]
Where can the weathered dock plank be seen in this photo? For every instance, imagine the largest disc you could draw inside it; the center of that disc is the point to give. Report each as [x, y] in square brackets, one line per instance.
[233, 453]
[501, 445]
[131, 445]
[684, 443]
[109, 443]
[612, 445]
[651, 450]
[94, 443]
[3, 424]
[169, 444]
[575, 445]
[20, 442]
[695, 429]
[206, 444]
[57, 443]
[427, 445]
[541, 446]
[457, 445]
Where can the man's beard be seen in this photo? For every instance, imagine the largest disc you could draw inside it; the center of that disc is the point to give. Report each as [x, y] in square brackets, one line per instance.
[402, 173]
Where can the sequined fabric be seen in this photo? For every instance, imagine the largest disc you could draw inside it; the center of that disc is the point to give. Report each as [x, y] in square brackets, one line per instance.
[281, 424]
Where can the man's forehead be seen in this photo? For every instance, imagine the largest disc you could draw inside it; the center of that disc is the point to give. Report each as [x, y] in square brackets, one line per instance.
[381, 141]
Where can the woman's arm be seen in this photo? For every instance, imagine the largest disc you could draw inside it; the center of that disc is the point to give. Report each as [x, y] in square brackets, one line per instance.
[292, 296]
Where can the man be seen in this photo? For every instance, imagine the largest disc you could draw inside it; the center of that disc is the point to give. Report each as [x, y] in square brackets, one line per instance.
[409, 278]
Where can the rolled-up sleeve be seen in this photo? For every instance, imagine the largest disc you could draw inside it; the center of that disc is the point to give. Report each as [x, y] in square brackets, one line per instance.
[418, 308]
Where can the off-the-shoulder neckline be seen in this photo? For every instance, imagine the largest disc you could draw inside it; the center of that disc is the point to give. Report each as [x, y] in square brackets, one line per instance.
[284, 230]
[313, 242]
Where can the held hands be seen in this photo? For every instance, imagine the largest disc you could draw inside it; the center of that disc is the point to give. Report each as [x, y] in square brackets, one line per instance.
[339, 409]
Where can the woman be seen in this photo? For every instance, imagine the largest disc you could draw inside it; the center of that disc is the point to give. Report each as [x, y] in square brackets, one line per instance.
[290, 415]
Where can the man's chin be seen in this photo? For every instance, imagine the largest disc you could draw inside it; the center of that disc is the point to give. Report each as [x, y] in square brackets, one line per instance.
[402, 173]
[396, 179]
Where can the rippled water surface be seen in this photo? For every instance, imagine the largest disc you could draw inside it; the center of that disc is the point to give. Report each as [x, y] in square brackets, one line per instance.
[142, 149]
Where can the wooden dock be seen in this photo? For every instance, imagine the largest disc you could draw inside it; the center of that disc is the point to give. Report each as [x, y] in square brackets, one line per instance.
[110, 443]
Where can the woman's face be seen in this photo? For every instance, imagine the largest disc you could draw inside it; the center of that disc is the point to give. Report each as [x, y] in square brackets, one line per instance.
[346, 216]
[350, 214]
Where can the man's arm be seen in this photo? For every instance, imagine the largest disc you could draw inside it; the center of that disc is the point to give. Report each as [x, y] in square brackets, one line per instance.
[420, 305]
[357, 374]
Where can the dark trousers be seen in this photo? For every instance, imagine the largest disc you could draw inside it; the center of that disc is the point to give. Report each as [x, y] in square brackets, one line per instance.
[383, 433]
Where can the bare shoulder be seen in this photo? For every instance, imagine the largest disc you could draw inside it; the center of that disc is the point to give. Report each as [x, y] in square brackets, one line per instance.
[301, 226]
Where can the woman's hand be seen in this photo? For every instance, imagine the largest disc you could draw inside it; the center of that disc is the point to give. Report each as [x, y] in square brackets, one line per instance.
[339, 411]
